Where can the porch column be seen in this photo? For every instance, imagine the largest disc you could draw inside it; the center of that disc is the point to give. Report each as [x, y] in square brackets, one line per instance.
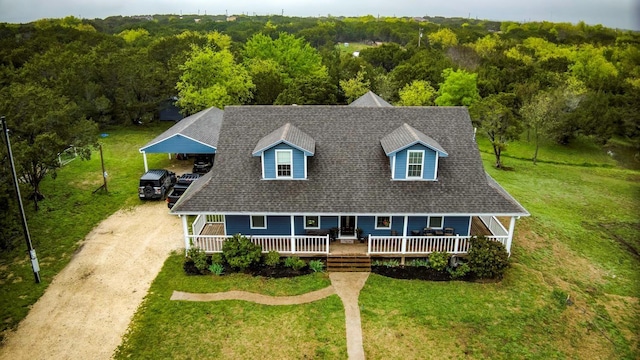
[293, 235]
[146, 165]
[403, 247]
[185, 230]
[512, 225]
[369, 245]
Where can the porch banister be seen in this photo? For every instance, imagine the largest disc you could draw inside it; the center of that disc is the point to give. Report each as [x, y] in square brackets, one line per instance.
[328, 244]
[512, 226]
[293, 235]
[457, 244]
[185, 231]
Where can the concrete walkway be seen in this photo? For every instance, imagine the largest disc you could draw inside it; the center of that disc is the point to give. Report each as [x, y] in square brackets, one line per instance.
[346, 285]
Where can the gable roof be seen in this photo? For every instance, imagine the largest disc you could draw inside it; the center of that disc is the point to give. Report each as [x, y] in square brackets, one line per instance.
[349, 173]
[202, 128]
[405, 136]
[370, 100]
[288, 134]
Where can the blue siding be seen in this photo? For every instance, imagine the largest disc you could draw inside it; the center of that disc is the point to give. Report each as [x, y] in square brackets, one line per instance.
[416, 223]
[428, 173]
[328, 222]
[368, 225]
[270, 161]
[180, 144]
[460, 224]
[298, 222]
[276, 225]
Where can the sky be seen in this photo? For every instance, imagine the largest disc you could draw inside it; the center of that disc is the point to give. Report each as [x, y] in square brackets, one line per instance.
[622, 14]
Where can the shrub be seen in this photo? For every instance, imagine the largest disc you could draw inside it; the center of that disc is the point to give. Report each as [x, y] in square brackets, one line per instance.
[240, 252]
[459, 271]
[419, 263]
[391, 263]
[439, 260]
[487, 258]
[199, 258]
[316, 265]
[216, 268]
[295, 263]
[217, 258]
[272, 258]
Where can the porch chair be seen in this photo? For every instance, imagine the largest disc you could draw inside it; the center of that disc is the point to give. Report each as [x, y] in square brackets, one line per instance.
[428, 232]
[448, 232]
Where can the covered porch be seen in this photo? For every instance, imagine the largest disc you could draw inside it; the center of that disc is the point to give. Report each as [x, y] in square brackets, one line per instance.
[208, 233]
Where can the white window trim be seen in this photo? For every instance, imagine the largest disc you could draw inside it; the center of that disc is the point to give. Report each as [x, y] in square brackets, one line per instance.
[421, 164]
[441, 222]
[290, 164]
[315, 227]
[383, 228]
[258, 227]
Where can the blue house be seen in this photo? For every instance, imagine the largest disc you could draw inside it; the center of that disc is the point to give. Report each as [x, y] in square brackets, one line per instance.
[389, 181]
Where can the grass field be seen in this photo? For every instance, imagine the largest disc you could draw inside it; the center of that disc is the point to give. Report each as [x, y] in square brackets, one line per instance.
[70, 211]
[581, 242]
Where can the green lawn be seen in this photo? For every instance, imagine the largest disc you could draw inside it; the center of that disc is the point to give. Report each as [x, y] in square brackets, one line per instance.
[70, 211]
[234, 329]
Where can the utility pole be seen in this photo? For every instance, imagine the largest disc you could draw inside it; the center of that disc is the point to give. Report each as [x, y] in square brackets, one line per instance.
[104, 174]
[32, 252]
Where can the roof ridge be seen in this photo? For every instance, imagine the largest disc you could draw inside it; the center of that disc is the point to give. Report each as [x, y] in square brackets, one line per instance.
[287, 127]
[412, 131]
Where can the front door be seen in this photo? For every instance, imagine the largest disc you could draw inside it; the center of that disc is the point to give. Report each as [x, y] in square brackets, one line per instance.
[347, 226]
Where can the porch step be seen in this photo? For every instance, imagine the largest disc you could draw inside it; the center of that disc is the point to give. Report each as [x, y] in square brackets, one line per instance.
[348, 263]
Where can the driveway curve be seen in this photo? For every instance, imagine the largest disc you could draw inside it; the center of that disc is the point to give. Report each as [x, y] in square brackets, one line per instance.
[88, 306]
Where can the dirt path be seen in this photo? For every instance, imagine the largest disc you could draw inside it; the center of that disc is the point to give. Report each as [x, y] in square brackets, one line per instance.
[346, 285]
[88, 306]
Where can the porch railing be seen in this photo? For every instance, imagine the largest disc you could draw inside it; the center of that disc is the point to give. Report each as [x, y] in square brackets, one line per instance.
[283, 244]
[494, 225]
[423, 244]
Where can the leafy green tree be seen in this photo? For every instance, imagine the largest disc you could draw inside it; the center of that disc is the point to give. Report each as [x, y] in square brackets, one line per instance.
[294, 56]
[418, 93]
[212, 79]
[386, 56]
[309, 90]
[459, 88]
[268, 81]
[355, 87]
[443, 38]
[494, 116]
[43, 124]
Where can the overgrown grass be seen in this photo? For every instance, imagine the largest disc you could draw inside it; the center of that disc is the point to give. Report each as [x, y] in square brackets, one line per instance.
[352, 47]
[70, 211]
[234, 329]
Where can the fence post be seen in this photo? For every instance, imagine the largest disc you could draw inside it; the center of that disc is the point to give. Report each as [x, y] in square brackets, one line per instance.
[403, 246]
[457, 244]
[369, 244]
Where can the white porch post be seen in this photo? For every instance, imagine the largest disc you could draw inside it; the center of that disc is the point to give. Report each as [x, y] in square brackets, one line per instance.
[293, 235]
[169, 156]
[146, 165]
[185, 230]
[512, 225]
[369, 245]
[403, 247]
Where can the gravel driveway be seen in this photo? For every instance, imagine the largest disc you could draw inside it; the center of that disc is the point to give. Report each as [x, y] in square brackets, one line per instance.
[88, 306]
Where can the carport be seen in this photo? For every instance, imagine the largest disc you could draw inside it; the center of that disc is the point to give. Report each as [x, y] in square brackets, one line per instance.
[196, 134]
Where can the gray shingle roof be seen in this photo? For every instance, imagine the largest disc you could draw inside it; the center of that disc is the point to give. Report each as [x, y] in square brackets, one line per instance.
[349, 172]
[288, 134]
[370, 100]
[203, 127]
[405, 136]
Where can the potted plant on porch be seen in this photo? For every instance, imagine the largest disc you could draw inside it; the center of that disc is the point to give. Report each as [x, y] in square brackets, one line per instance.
[359, 232]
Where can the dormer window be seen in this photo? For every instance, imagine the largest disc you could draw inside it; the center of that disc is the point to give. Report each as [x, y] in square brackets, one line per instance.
[412, 154]
[415, 163]
[284, 152]
[283, 163]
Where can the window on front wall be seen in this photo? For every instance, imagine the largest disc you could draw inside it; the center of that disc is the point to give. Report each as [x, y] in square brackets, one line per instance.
[258, 222]
[383, 222]
[414, 163]
[311, 222]
[435, 222]
[283, 163]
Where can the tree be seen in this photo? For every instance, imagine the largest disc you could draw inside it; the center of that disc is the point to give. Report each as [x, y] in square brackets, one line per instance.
[418, 93]
[212, 79]
[444, 38]
[459, 88]
[494, 116]
[309, 90]
[355, 87]
[43, 124]
[267, 79]
[294, 56]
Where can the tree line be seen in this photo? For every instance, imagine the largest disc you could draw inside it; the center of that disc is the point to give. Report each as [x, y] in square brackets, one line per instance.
[63, 79]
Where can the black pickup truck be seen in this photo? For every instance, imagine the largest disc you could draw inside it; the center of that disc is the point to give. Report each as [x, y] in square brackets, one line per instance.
[180, 187]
